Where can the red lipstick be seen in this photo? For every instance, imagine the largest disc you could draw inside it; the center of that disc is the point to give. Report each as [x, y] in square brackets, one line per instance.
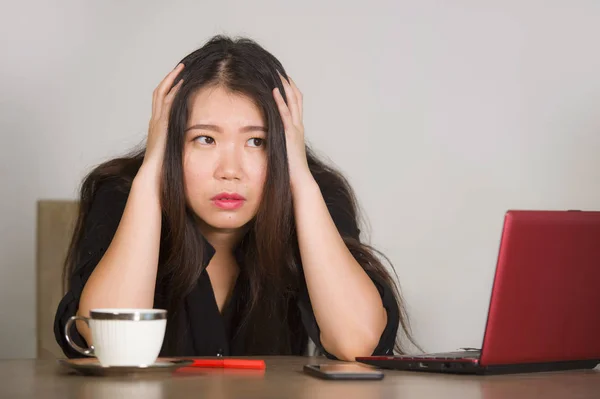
[228, 201]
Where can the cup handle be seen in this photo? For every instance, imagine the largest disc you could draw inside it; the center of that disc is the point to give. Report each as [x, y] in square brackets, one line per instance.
[84, 351]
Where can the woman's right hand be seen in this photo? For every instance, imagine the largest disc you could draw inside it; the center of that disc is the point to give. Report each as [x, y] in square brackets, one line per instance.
[162, 98]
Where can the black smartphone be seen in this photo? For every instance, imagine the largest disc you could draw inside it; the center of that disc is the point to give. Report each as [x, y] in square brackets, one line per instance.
[347, 371]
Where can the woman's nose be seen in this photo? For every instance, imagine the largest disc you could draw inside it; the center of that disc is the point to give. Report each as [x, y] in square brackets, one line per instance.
[230, 164]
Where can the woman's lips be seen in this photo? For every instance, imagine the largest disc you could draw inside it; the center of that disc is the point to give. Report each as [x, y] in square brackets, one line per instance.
[228, 201]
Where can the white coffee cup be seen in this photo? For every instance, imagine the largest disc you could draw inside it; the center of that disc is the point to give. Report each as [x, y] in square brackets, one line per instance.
[123, 337]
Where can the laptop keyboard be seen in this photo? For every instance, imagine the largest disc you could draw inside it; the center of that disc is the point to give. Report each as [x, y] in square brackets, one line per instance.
[464, 354]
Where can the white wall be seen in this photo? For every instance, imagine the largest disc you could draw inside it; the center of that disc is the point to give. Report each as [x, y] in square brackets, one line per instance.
[443, 115]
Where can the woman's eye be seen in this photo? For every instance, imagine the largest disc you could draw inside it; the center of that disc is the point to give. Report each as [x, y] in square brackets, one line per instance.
[204, 140]
[256, 142]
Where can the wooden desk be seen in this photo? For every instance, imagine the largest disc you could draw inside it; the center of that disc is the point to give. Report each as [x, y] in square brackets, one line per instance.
[284, 379]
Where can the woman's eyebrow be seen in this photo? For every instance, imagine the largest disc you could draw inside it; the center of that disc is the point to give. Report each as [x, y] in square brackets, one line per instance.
[215, 128]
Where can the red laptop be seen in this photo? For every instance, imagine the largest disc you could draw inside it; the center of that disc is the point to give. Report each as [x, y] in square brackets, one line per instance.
[544, 311]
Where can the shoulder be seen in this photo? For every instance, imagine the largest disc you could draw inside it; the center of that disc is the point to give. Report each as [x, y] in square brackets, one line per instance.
[106, 189]
[341, 204]
[105, 202]
[110, 192]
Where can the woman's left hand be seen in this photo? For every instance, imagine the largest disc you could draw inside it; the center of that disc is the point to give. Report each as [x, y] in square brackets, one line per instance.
[291, 114]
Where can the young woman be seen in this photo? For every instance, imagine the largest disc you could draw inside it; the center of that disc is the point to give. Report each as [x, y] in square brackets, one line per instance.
[230, 223]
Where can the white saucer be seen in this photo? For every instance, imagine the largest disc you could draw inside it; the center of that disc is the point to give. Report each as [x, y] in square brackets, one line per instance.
[91, 366]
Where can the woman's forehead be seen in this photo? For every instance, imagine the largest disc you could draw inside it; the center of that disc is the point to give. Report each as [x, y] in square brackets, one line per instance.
[217, 105]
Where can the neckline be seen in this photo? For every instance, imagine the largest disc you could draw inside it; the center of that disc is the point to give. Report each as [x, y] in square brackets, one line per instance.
[209, 252]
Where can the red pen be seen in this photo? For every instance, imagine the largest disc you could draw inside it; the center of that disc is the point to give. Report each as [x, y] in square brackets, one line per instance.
[230, 363]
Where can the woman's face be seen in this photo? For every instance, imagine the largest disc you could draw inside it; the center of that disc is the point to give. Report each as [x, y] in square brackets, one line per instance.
[224, 158]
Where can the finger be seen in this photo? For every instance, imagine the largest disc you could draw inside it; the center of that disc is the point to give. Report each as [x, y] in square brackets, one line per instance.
[292, 101]
[299, 98]
[163, 88]
[166, 84]
[154, 102]
[284, 111]
[169, 98]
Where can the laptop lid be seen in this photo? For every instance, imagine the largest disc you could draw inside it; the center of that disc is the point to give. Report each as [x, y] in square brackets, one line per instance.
[545, 301]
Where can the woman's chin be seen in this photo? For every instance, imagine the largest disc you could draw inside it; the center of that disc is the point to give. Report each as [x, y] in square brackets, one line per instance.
[227, 222]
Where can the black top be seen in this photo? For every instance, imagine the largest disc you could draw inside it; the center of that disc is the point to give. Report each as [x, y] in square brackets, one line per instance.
[205, 331]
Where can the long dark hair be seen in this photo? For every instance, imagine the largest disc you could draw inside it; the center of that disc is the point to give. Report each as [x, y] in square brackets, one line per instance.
[270, 248]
